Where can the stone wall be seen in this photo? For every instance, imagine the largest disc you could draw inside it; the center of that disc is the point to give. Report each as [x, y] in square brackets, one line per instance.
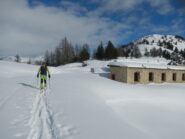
[120, 73]
[126, 74]
[144, 75]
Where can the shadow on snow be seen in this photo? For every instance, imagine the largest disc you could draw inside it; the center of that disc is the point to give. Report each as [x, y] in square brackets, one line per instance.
[106, 73]
[28, 85]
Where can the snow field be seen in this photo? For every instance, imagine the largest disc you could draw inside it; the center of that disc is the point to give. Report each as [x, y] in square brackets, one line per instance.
[84, 105]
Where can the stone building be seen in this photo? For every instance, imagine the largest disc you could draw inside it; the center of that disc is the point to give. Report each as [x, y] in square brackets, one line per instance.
[146, 73]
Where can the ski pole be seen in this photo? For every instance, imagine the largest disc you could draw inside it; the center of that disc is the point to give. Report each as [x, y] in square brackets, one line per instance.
[37, 82]
[49, 84]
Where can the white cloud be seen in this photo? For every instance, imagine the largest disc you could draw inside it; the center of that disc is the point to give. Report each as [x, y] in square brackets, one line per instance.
[181, 12]
[29, 31]
[161, 6]
[73, 8]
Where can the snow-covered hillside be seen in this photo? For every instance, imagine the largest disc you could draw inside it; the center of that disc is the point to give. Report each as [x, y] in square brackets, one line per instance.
[160, 41]
[166, 46]
[22, 59]
[83, 105]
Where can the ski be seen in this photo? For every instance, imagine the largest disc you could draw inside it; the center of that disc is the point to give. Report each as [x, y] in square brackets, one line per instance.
[42, 90]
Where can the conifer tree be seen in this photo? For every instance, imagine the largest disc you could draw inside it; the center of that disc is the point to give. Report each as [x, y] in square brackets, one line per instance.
[100, 52]
[84, 53]
[176, 50]
[136, 52]
[47, 58]
[110, 51]
[147, 54]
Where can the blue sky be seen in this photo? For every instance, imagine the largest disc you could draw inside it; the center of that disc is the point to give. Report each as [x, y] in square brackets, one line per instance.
[37, 25]
[161, 16]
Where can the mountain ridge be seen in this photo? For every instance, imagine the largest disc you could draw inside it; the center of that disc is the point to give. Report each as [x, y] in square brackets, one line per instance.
[168, 46]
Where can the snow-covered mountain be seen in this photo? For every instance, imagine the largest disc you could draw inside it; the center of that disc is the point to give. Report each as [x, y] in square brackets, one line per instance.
[166, 42]
[23, 59]
[167, 46]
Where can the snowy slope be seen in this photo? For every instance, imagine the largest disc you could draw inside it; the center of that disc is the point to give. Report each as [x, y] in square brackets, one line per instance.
[23, 59]
[144, 62]
[82, 105]
[153, 41]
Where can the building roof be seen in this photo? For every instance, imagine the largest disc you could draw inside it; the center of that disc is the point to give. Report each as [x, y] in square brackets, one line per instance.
[145, 65]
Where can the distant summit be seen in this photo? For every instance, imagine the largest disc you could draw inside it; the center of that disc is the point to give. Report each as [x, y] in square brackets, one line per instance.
[168, 42]
[29, 60]
[167, 46]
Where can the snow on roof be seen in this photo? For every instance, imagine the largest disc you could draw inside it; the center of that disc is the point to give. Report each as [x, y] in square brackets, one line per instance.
[146, 65]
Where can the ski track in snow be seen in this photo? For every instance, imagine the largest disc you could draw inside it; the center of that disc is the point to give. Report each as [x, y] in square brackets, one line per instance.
[42, 122]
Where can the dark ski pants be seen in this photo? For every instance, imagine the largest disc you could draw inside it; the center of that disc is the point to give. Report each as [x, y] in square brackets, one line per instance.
[43, 81]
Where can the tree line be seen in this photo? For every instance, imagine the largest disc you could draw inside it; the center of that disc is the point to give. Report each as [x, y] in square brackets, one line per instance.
[65, 53]
[111, 52]
[105, 53]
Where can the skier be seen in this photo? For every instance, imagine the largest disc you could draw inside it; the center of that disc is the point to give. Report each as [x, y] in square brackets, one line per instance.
[43, 70]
